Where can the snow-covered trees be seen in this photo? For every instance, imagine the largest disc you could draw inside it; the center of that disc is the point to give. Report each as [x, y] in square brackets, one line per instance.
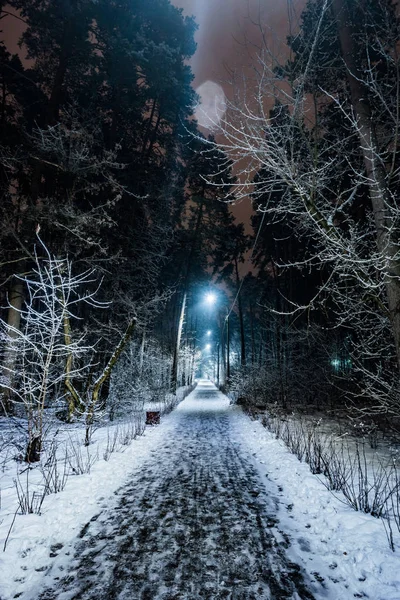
[42, 359]
[320, 131]
[52, 364]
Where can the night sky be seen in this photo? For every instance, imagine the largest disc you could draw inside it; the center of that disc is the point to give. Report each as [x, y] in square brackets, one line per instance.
[224, 25]
[227, 40]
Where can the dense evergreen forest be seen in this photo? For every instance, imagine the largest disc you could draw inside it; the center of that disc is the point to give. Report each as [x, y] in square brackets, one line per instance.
[123, 274]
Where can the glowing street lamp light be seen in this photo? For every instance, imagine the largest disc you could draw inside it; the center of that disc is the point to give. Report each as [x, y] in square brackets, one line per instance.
[210, 298]
[209, 332]
[208, 346]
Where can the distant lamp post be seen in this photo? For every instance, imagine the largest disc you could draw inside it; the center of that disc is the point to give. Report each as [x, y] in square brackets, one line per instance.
[218, 348]
[224, 344]
[228, 363]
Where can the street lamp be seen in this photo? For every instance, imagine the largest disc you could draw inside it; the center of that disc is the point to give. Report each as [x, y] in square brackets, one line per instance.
[208, 332]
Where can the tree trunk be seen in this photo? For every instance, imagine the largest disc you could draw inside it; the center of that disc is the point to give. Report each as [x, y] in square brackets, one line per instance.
[15, 299]
[375, 171]
[74, 401]
[154, 135]
[33, 449]
[141, 355]
[53, 107]
[228, 363]
[175, 362]
[148, 128]
[253, 342]
[104, 376]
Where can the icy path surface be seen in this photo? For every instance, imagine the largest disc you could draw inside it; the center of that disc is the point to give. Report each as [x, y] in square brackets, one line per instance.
[194, 522]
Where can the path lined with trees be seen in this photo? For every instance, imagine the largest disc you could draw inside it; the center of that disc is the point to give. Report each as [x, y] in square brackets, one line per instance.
[99, 149]
[192, 523]
[116, 226]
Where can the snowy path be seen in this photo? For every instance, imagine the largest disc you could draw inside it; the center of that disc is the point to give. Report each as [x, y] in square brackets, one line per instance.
[194, 522]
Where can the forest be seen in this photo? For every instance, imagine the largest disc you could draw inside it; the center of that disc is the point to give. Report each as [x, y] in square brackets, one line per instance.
[124, 275]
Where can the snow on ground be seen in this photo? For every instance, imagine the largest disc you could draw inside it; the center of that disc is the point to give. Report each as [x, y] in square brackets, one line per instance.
[33, 537]
[30, 538]
[208, 504]
[346, 552]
